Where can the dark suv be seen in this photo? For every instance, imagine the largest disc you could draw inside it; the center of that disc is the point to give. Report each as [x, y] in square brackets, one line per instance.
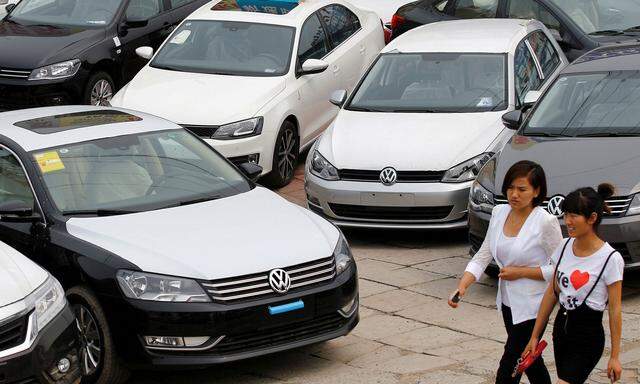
[79, 51]
[578, 25]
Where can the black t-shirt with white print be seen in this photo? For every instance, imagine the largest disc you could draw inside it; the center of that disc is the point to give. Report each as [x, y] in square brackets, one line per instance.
[576, 276]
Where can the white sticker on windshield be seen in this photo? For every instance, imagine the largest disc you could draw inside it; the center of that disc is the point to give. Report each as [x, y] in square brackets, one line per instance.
[270, 70]
[100, 22]
[181, 37]
[485, 102]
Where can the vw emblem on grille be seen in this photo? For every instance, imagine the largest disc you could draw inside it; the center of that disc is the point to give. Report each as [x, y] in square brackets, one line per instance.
[388, 176]
[555, 205]
[280, 281]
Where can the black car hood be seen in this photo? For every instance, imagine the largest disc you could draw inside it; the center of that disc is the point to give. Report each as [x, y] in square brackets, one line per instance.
[572, 163]
[608, 40]
[33, 46]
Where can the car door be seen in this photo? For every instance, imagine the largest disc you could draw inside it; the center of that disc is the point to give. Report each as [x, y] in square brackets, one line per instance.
[526, 70]
[144, 23]
[314, 90]
[180, 9]
[471, 9]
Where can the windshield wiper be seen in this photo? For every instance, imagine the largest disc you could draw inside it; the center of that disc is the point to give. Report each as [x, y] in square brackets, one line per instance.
[607, 32]
[633, 29]
[608, 134]
[366, 109]
[544, 134]
[99, 212]
[199, 200]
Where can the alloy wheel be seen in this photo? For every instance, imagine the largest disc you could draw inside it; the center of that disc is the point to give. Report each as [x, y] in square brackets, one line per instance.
[101, 93]
[90, 340]
[286, 154]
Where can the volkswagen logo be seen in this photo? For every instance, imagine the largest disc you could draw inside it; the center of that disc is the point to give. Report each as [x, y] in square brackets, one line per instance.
[555, 205]
[280, 281]
[388, 176]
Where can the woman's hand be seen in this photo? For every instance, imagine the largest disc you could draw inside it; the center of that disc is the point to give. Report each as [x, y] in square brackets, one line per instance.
[460, 291]
[614, 369]
[510, 273]
[533, 344]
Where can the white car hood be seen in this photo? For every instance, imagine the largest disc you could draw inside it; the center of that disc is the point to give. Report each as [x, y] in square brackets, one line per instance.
[408, 141]
[19, 276]
[197, 99]
[248, 233]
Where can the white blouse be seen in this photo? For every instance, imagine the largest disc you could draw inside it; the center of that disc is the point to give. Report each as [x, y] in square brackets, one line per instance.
[538, 238]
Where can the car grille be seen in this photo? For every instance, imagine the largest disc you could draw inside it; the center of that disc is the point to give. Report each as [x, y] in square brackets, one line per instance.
[267, 338]
[256, 286]
[205, 131]
[391, 213]
[14, 73]
[403, 176]
[13, 333]
[618, 205]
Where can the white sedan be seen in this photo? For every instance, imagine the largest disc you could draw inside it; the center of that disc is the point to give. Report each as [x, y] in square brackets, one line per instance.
[254, 78]
[406, 147]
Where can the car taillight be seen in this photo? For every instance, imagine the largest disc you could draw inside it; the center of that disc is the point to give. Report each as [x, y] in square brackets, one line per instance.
[396, 21]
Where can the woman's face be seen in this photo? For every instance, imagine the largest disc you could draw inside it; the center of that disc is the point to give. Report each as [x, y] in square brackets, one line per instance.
[521, 193]
[578, 225]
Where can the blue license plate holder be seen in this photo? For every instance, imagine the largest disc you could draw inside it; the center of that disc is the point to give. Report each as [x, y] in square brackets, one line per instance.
[286, 308]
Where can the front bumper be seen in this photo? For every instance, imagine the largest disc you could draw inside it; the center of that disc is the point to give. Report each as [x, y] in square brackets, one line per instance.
[623, 233]
[402, 205]
[248, 328]
[39, 362]
[22, 93]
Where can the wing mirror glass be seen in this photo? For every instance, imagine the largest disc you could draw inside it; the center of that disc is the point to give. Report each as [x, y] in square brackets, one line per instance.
[251, 170]
[145, 52]
[512, 119]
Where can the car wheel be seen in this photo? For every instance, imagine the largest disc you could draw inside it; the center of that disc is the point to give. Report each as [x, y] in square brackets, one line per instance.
[285, 156]
[100, 89]
[97, 357]
[492, 271]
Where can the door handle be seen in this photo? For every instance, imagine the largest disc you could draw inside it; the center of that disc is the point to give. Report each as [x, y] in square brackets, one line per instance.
[336, 69]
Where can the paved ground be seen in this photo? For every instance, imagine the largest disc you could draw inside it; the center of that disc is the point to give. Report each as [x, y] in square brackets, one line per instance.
[407, 333]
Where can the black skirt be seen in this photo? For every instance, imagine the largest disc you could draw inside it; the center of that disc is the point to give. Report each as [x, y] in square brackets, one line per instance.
[578, 343]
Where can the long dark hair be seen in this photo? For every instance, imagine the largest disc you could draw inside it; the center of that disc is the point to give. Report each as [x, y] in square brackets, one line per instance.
[587, 201]
[533, 172]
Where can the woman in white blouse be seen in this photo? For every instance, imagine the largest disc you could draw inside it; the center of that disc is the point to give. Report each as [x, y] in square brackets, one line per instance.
[521, 239]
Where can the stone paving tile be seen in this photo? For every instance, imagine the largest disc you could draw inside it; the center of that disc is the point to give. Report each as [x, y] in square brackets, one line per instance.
[378, 356]
[450, 377]
[394, 301]
[475, 348]
[380, 326]
[451, 266]
[347, 353]
[369, 288]
[372, 269]
[477, 294]
[404, 277]
[413, 363]
[402, 256]
[425, 340]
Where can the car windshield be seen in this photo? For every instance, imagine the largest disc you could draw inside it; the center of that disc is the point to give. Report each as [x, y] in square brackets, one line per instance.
[602, 16]
[433, 82]
[595, 104]
[228, 48]
[87, 13]
[135, 173]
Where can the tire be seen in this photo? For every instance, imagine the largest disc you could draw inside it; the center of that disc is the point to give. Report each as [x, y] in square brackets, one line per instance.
[109, 369]
[492, 271]
[99, 90]
[285, 156]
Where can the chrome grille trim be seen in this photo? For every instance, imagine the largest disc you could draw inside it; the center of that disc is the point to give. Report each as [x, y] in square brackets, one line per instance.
[618, 205]
[18, 74]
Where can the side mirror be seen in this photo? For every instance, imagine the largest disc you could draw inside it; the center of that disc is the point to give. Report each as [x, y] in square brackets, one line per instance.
[512, 119]
[530, 99]
[145, 52]
[16, 211]
[130, 24]
[338, 98]
[9, 8]
[313, 66]
[251, 170]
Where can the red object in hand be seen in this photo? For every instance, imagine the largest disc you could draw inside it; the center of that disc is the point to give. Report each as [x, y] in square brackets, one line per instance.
[528, 359]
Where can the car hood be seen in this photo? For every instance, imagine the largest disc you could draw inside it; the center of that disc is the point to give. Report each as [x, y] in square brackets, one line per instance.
[248, 233]
[19, 276]
[198, 99]
[35, 46]
[572, 163]
[408, 141]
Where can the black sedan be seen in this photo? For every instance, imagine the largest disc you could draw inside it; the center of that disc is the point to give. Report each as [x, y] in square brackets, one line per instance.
[578, 25]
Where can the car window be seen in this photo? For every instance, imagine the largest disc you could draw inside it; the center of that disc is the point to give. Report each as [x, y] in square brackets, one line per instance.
[475, 9]
[143, 9]
[313, 40]
[341, 23]
[14, 185]
[545, 51]
[88, 14]
[604, 16]
[527, 77]
[529, 9]
[441, 5]
[179, 3]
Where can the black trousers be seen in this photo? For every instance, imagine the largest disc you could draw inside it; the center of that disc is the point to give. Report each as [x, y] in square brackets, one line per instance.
[518, 337]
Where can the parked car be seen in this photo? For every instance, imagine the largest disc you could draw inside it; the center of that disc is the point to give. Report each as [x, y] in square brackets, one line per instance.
[578, 25]
[38, 338]
[407, 145]
[3, 6]
[254, 82]
[385, 9]
[79, 51]
[169, 254]
[584, 131]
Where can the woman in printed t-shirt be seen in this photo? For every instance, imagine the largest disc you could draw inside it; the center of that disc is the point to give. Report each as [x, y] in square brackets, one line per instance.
[588, 276]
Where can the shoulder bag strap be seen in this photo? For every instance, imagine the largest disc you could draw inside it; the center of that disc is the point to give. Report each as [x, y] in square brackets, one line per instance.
[599, 276]
[555, 271]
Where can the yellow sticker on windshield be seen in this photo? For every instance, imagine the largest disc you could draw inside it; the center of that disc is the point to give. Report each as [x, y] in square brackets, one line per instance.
[49, 161]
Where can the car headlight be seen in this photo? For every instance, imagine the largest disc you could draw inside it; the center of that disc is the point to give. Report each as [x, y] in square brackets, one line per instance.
[466, 171]
[634, 207]
[239, 129]
[48, 301]
[56, 71]
[343, 255]
[152, 287]
[322, 168]
[480, 198]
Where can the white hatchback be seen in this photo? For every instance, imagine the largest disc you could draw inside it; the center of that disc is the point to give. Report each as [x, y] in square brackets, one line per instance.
[253, 78]
[407, 145]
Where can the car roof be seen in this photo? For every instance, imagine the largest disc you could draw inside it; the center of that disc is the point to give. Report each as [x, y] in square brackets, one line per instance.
[294, 17]
[477, 35]
[39, 128]
[615, 57]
